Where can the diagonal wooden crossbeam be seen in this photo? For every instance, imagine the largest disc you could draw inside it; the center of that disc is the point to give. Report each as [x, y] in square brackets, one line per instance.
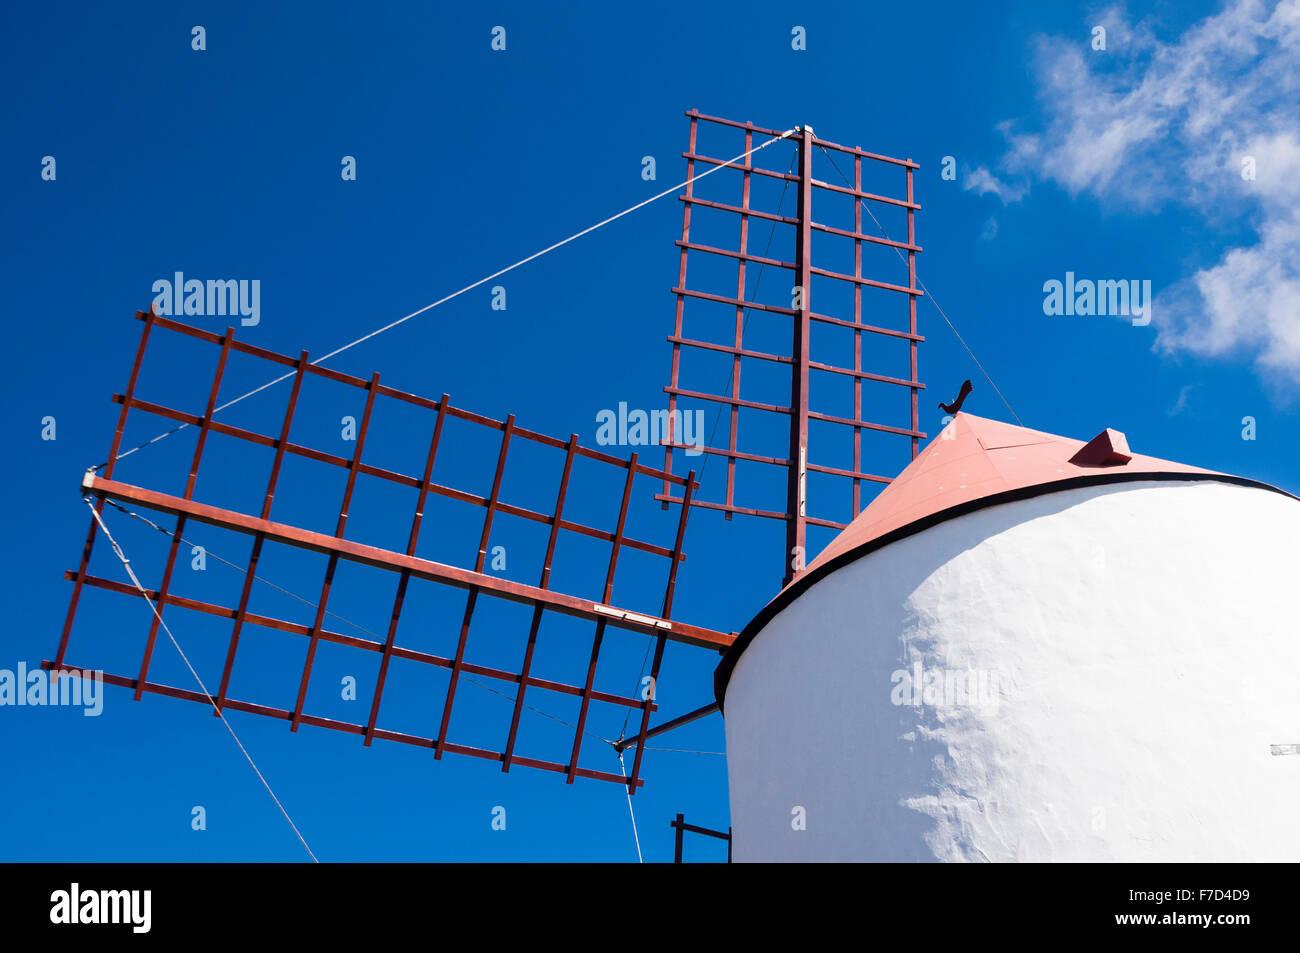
[468, 579]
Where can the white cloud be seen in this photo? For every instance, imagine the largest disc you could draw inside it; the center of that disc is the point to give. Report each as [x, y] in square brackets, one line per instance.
[981, 180]
[1181, 403]
[1151, 122]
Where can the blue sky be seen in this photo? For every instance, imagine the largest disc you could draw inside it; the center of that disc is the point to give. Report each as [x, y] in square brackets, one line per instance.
[1116, 163]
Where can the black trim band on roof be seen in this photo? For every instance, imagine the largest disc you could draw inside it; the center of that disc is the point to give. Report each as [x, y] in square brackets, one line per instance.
[722, 674]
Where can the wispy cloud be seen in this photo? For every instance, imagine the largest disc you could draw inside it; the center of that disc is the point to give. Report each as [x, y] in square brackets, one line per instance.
[1206, 120]
[1181, 403]
[980, 181]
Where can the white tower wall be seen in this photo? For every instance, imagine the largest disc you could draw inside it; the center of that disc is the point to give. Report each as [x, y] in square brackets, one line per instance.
[1146, 655]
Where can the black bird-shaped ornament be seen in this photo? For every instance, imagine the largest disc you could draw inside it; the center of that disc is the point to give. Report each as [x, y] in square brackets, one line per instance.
[955, 406]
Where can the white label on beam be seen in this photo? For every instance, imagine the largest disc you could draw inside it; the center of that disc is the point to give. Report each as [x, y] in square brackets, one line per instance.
[646, 620]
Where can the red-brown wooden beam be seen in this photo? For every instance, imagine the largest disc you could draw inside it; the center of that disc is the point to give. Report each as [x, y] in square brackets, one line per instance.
[334, 725]
[472, 599]
[600, 626]
[867, 282]
[383, 391]
[405, 578]
[421, 568]
[190, 483]
[862, 376]
[738, 454]
[851, 474]
[743, 259]
[865, 196]
[740, 510]
[720, 399]
[854, 422]
[750, 511]
[858, 235]
[724, 207]
[114, 447]
[732, 123]
[741, 255]
[241, 613]
[533, 627]
[415, 483]
[795, 557]
[727, 164]
[351, 641]
[857, 338]
[911, 307]
[679, 314]
[723, 299]
[829, 524]
[888, 332]
[728, 349]
[323, 602]
[835, 146]
[660, 642]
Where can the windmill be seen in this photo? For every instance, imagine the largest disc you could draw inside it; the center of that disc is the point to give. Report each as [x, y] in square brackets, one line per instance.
[864, 302]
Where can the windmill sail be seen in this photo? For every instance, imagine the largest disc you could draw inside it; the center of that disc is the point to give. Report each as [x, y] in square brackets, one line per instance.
[840, 273]
[470, 574]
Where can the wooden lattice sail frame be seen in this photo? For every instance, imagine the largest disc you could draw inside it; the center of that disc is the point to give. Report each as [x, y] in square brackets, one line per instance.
[404, 565]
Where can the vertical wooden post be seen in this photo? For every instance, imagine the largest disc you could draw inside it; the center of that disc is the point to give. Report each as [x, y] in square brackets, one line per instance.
[796, 486]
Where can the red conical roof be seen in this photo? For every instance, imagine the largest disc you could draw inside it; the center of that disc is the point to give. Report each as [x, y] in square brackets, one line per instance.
[973, 463]
[973, 458]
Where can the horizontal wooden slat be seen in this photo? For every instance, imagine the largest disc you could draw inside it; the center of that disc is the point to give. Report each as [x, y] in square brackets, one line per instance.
[234, 704]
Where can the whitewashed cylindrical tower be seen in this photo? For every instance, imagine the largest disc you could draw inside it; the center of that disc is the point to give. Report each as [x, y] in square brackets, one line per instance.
[1029, 649]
